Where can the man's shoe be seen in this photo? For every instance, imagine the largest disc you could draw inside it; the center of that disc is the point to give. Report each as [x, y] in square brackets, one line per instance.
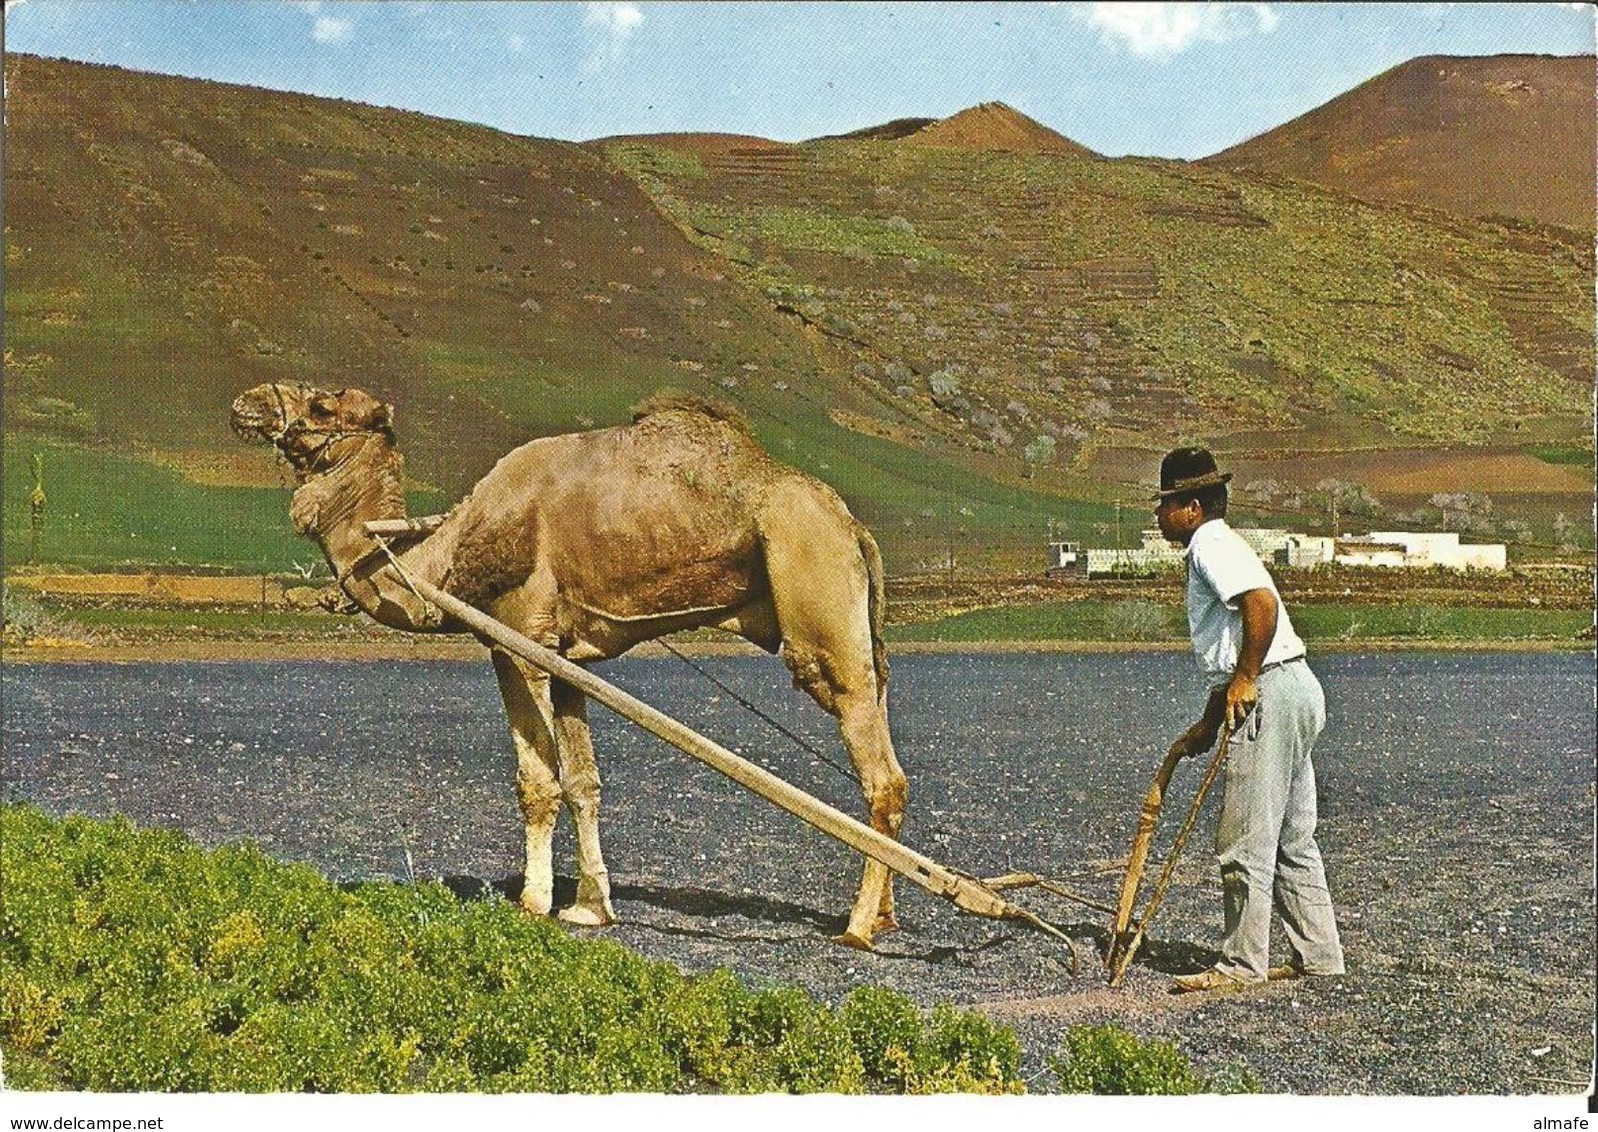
[1285, 971]
[1211, 980]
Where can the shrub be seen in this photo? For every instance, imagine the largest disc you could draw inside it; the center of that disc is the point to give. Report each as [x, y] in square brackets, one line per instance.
[952, 1051]
[134, 961]
[1105, 1060]
[1136, 620]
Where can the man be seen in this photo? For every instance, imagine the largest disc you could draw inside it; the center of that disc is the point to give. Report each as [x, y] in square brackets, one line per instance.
[1264, 692]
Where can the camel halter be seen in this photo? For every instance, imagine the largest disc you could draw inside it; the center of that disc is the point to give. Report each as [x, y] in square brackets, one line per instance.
[297, 427]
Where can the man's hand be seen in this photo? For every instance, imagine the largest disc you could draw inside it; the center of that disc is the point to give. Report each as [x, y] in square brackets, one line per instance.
[1194, 741]
[1242, 698]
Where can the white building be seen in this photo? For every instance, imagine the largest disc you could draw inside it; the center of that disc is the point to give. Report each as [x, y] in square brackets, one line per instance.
[1267, 542]
[1153, 556]
[1421, 549]
[1404, 549]
[1066, 557]
[1306, 551]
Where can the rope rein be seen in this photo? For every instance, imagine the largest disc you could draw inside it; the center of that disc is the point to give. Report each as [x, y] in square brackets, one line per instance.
[776, 726]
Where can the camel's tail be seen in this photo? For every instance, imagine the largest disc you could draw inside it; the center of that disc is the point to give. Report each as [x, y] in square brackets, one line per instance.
[877, 601]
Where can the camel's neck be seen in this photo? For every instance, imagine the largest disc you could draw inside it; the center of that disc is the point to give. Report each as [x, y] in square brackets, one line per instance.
[333, 508]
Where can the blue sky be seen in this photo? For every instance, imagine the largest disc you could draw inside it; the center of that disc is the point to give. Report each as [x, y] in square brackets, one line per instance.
[1170, 80]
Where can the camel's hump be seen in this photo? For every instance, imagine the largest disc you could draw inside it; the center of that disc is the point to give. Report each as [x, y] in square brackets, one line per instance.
[670, 400]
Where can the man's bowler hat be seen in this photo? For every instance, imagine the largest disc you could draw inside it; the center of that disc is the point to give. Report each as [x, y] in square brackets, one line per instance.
[1189, 469]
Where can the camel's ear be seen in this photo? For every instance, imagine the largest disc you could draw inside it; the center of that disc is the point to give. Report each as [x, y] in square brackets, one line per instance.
[379, 416]
[322, 405]
[363, 411]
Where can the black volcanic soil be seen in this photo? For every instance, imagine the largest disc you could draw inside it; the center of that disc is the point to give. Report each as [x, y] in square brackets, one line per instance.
[1456, 817]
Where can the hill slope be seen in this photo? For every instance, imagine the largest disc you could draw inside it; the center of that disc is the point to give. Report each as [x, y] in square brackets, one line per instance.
[170, 242]
[966, 342]
[997, 297]
[1506, 135]
[993, 126]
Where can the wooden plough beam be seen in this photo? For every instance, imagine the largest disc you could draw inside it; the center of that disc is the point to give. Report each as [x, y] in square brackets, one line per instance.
[964, 891]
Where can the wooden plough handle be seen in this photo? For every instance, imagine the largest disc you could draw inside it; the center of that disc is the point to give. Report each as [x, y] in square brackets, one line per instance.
[1121, 958]
[1148, 817]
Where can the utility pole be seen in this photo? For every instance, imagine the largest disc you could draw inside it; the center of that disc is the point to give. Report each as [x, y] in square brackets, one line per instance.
[36, 502]
[1117, 524]
[948, 533]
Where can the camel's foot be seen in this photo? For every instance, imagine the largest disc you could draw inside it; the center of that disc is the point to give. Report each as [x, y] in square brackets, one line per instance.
[886, 922]
[850, 939]
[535, 905]
[587, 916]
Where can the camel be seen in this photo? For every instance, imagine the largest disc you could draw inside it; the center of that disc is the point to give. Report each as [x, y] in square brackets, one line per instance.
[590, 543]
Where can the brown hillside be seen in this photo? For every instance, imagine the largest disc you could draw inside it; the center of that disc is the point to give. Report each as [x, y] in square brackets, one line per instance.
[995, 126]
[1508, 135]
[887, 131]
[170, 242]
[702, 144]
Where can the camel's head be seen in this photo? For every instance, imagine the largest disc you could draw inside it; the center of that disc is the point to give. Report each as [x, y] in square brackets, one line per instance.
[304, 423]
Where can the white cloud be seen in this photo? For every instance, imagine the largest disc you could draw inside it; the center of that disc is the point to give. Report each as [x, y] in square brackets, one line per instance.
[329, 29]
[1161, 31]
[610, 27]
[324, 28]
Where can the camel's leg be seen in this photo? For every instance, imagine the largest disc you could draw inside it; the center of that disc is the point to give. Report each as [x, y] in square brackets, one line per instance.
[862, 719]
[532, 727]
[820, 594]
[579, 777]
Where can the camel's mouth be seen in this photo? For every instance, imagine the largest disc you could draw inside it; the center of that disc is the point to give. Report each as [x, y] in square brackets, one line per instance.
[253, 428]
[254, 422]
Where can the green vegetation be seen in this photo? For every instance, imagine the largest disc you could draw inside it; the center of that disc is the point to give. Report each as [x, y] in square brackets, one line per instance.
[1356, 623]
[794, 228]
[1562, 454]
[1102, 1059]
[132, 960]
[1136, 620]
[1090, 620]
[108, 509]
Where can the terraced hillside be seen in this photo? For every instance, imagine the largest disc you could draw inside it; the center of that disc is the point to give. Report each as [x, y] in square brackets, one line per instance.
[970, 327]
[171, 242]
[1001, 296]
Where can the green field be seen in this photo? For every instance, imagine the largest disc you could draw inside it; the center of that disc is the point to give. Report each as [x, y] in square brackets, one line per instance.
[1136, 620]
[106, 510]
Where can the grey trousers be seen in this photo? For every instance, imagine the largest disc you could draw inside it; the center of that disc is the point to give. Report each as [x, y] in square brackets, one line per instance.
[1266, 837]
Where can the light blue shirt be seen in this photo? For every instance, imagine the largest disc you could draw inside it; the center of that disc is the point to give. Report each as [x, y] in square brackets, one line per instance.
[1221, 568]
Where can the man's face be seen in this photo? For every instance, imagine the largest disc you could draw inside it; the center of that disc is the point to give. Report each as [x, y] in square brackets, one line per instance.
[1178, 521]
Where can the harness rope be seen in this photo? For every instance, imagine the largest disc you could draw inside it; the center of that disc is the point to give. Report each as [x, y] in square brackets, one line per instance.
[797, 740]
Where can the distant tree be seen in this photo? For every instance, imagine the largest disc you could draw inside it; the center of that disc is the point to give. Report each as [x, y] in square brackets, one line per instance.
[1038, 453]
[944, 383]
[1563, 530]
[1350, 498]
[36, 507]
[1464, 511]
